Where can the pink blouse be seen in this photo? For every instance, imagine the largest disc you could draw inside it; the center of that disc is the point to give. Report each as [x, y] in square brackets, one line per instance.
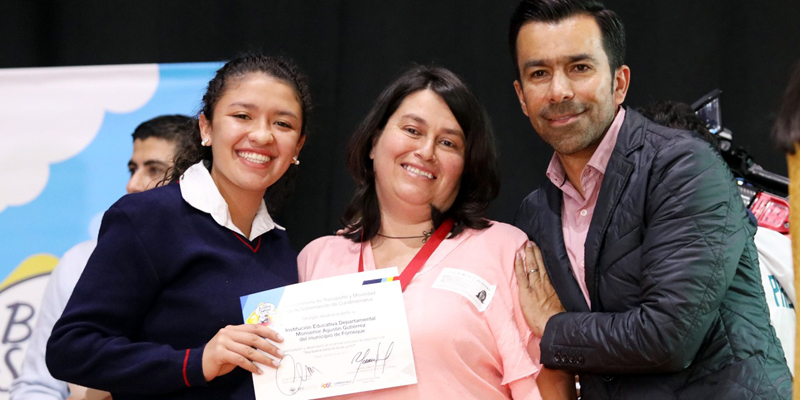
[468, 333]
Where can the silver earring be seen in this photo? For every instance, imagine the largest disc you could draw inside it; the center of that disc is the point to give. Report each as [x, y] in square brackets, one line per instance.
[204, 142]
[295, 161]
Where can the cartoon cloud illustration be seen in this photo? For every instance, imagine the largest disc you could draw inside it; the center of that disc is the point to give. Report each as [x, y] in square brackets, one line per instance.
[48, 115]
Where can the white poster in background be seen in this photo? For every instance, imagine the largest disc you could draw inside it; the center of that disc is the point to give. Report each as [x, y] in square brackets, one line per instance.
[344, 334]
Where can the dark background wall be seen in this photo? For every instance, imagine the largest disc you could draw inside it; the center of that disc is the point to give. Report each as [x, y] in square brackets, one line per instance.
[677, 50]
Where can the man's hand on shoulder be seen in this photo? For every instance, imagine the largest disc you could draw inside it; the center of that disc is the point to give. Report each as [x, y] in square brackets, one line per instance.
[537, 297]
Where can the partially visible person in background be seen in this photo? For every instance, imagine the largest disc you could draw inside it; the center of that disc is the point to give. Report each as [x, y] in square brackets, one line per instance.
[786, 130]
[156, 313]
[774, 249]
[677, 115]
[154, 145]
[786, 133]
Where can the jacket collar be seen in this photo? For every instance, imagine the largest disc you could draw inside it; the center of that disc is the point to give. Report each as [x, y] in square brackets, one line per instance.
[618, 174]
[631, 135]
[554, 253]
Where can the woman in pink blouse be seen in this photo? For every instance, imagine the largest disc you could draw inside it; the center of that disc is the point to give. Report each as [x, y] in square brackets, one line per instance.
[425, 165]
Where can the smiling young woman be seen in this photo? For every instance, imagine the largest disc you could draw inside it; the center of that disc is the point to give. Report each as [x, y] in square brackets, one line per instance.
[254, 137]
[156, 313]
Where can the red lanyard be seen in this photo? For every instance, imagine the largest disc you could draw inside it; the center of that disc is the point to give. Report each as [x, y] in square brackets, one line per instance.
[422, 255]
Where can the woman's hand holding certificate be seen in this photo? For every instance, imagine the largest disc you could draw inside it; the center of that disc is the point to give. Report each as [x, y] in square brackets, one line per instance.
[342, 335]
[235, 346]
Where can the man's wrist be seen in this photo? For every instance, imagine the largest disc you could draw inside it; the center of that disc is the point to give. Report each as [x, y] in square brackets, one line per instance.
[545, 319]
[538, 330]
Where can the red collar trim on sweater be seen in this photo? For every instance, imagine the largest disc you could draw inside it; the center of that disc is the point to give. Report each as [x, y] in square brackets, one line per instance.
[248, 244]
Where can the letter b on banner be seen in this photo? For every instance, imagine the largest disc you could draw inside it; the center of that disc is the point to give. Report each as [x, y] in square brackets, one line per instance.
[18, 326]
[19, 308]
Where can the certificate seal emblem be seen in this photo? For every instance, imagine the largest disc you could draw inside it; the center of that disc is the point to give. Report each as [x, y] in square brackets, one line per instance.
[261, 315]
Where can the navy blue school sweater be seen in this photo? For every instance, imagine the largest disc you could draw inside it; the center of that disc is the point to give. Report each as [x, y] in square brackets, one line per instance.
[164, 278]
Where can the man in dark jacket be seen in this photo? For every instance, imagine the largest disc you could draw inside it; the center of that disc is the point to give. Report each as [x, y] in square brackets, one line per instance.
[641, 229]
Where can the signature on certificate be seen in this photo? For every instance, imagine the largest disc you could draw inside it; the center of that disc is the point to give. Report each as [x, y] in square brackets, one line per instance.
[291, 375]
[363, 357]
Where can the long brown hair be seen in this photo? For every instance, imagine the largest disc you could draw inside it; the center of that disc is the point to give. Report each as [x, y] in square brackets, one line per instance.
[480, 182]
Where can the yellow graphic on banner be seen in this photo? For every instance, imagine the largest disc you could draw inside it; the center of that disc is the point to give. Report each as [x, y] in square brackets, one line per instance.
[37, 264]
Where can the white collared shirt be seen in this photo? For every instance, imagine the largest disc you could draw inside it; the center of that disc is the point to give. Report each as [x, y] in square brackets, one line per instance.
[199, 190]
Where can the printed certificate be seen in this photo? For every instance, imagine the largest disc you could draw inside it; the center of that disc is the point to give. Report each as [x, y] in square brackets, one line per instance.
[344, 334]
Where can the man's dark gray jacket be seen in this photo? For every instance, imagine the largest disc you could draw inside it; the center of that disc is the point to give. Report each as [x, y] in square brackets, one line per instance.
[678, 310]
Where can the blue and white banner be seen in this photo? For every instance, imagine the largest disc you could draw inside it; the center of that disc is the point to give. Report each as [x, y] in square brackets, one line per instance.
[65, 141]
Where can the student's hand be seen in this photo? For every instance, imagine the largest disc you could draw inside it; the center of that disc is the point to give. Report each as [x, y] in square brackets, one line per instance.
[94, 394]
[76, 392]
[237, 346]
[537, 297]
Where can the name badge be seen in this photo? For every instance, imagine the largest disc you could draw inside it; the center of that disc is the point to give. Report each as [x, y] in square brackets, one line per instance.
[471, 286]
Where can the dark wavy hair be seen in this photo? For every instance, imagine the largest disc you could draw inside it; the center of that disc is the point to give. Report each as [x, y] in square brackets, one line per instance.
[480, 182]
[554, 11]
[677, 115]
[230, 74]
[786, 131]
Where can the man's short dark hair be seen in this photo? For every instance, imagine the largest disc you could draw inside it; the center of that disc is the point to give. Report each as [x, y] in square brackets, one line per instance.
[180, 130]
[174, 128]
[554, 11]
